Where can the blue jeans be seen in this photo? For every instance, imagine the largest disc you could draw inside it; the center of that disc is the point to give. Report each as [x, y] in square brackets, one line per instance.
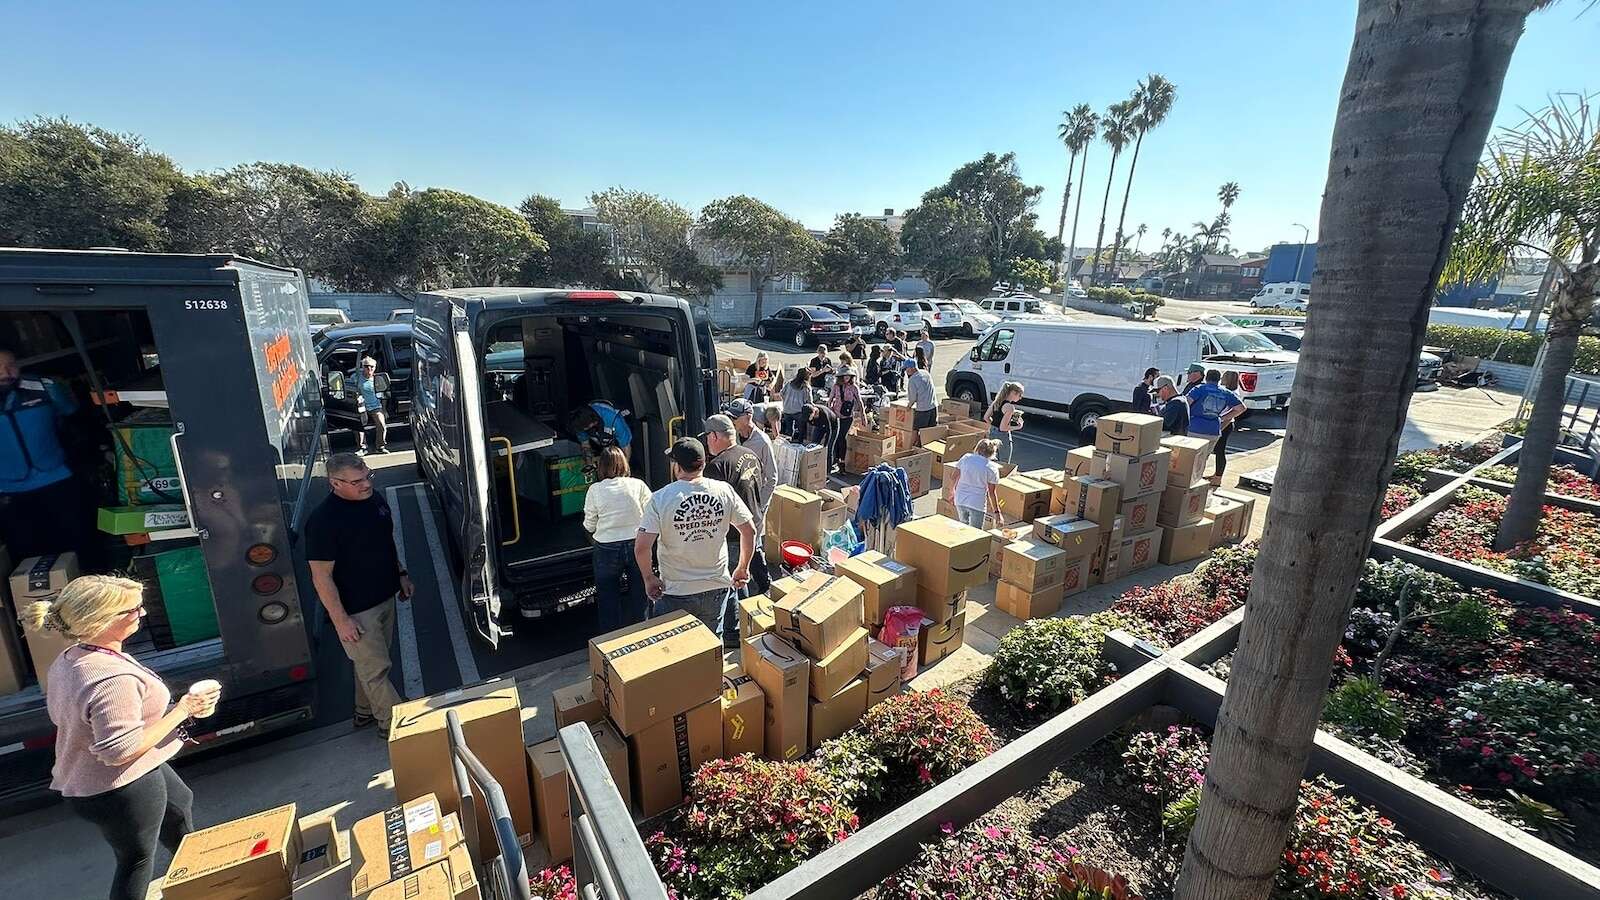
[707, 606]
[618, 587]
[1005, 440]
[971, 515]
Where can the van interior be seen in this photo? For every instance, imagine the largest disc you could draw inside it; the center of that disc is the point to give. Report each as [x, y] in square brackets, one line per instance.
[121, 456]
[539, 370]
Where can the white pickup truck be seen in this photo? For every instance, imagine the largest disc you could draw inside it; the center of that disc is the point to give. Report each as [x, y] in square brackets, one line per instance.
[1266, 371]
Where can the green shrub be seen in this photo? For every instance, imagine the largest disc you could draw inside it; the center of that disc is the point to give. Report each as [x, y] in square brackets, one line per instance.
[1225, 575]
[1470, 617]
[1361, 704]
[1519, 346]
[988, 862]
[1046, 665]
[1278, 311]
[1177, 817]
[855, 770]
[1340, 847]
[923, 737]
[1168, 765]
[1382, 582]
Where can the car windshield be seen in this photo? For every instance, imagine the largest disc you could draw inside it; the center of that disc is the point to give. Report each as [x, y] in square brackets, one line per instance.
[1243, 342]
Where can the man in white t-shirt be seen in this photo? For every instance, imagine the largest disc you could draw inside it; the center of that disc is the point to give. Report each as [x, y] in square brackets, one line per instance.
[686, 524]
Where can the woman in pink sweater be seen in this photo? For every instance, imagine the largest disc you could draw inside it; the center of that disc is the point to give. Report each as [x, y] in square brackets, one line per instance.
[116, 727]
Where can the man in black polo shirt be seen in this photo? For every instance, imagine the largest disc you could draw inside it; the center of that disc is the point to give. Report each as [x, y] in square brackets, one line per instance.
[740, 467]
[357, 573]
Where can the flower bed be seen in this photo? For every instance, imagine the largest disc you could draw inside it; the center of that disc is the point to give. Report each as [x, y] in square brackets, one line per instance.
[1564, 480]
[1565, 552]
[1411, 468]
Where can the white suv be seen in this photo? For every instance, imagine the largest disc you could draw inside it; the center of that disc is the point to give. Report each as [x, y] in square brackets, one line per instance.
[902, 314]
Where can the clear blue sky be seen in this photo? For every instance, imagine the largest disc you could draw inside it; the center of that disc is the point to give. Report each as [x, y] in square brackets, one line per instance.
[817, 108]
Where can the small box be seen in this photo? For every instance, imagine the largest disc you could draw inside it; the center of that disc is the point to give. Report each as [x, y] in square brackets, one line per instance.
[784, 675]
[830, 673]
[550, 799]
[940, 607]
[960, 440]
[931, 433]
[142, 519]
[388, 845]
[959, 409]
[782, 587]
[794, 515]
[656, 669]
[833, 516]
[950, 557]
[1098, 500]
[941, 455]
[1003, 537]
[885, 583]
[1074, 535]
[937, 640]
[252, 858]
[1025, 604]
[835, 715]
[901, 415]
[1075, 578]
[663, 758]
[1079, 461]
[319, 845]
[755, 616]
[1138, 552]
[1022, 499]
[1185, 542]
[1138, 475]
[919, 469]
[743, 713]
[802, 466]
[1188, 459]
[35, 579]
[823, 613]
[1227, 518]
[1139, 514]
[1246, 499]
[883, 672]
[1034, 565]
[578, 702]
[875, 445]
[1128, 434]
[1183, 505]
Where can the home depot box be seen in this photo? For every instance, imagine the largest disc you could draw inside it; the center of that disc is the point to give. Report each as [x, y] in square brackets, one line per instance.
[962, 438]
[884, 583]
[664, 757]
[1026, 604]
[578, 702]
[821, 614]
[1227, 518]
[1138, 552]
[949, 556]
[1079, 461]
[743, 712]
[1075, 577]
[1033, 565]
[1003, 537]
[937, 640]
[400, 840]
[784, 675]
[918, 464]
[902, 416]
[251, 858]
[794, 515]
[652, 671]
[1098, 500]
[883, 672]
[1128, 434]
[1138, 475]
[550, 797]
[959, 409]
[41, 578]
[1139, 514]
[1022, 499]
[1247, 500]
[831, 672]
[755, 616]
[1185, 542]
[1073, 535]
[835, 715]
[930, 434]
[1183, 505]
[1188, 459]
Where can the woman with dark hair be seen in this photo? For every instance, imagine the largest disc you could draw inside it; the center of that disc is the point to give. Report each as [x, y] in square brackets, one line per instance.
[823, 427]
[796, 394]
[875, 366]
[612, 510]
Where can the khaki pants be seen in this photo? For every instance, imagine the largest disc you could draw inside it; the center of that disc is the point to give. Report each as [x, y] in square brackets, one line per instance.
[375, 694]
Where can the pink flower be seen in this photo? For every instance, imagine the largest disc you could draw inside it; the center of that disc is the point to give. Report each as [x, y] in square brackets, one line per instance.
[1487, 750]
[924, 774]
[947, 828]
[992, 833]
[1505, 777]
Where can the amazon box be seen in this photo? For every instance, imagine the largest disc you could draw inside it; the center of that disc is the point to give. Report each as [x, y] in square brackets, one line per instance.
[1022, 499]
[937, 640]
[665, 756]
[1138, 552]
[252, 858]
[577, 703]
[830, 673]
[41, 578]
[885, 583]
[550, 796]
[755, 616]
[940, 607]
[835, 715]
[959, 409]
[1183, 505]
[1073, 535]
[1185, 542]
[950, 557]
[1003, 537]
[400, 840]
[1188, 459]
[782, 587]
[1033, 565]
[491, 721]
[883, 672]
[652, 671]
[1098, 500]
[918, 464]
[794, 515]
[319, 845]
[1227, 518]
[1128, 434]
[824, 612]
[1025, 604]
[743, 713]
[1138, 475]
[1139, 514]
[1079, 461]
[784, 675]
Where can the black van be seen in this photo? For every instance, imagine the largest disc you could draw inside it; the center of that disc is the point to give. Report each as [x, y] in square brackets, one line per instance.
[497, 375]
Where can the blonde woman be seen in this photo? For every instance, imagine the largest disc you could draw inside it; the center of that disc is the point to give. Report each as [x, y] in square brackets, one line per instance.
[116, 727]
[973, 491]
[1004, 417]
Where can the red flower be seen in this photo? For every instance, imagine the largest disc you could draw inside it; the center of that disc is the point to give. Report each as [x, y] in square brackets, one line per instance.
[1384, 823]
[924, 774]
[1399, 891]
[1303, 871]
[1487, 750]
[1505, 777]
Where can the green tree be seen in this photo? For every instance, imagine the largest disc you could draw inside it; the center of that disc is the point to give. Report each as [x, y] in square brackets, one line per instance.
[426, 240]
[578, 257]
[1076, 131]
[284, 214]
[1030, 273]
[943, 240]
[758, 238]
[77, 186]
[855, 256]
[992, 188]
[1432, 72]
[684, 273]
[1228, 194]
[1116, 129]
[646, 231]
[1539, 188]
[1153, 99]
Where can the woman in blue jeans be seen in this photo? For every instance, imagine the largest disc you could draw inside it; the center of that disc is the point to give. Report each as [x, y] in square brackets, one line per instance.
[612, 510]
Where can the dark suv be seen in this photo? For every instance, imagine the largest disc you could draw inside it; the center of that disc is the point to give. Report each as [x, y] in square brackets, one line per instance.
[339, 349]
[860, 317]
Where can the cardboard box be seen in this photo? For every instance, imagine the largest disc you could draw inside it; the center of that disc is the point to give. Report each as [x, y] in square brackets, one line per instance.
[449, 879]
[1074, 535]
[919, 469]
[931, 433]
[883, 672]
[874, 445]
[1139, 514]
[803, 466]
[1248, 500]
[578, 702]
[960, 409]
[1034, 565]
[755, 616]
[251, 858]
[833, 516]
[1022, 499]
[743, 712]
[491, 721]
[960, 440]
[784, 675]
[1183, 505]
[835, 715]
[940, 607]
[656, 669]
[1075, 578]
[1079, 461]
[319, 845]
[830, 673]
[946, 508]
[1227, 518]
[937, 640]
[1185, 542]
[941, 455]
[1138, 475]
[783, 587]
[1188, 459]
[884, 583]
[824, 612]
[947, 480]
[463, 878]
[332, 883]
[550, 795]
[1001, 538]
[41, 578]
[1026, 604]
[949, 557]
[1138, 552]
[664, 757]
[1098, 500]
[794, 515]
[400, 840]
[900, 415]
[1128, 434]
[13, 662]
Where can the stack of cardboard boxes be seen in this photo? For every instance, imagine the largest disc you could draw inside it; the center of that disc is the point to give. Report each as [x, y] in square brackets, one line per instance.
[1128, 451]
[1186, 533]
[800, 515]
[824, 618]
[801, 465]
[37, 578]
[950, 558]
[867, 446]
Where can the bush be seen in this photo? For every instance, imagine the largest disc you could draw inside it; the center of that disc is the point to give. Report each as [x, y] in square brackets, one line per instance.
[1168, 765]
[1361, 705]
[1174, 610]
[1471, 618]
[1382, 583]
[1046, 665]
[988, 862]
[1515, 731]
[1558, 644]
[1226, 574]
[855, 770]
[923, 737]
[554, 884]
[1564, 553]
[1518, 346]
[1339, 847]
[1563, 480]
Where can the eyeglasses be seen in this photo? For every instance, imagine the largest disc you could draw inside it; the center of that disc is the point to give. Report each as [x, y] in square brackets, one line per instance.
[136, 611]
[361, 479]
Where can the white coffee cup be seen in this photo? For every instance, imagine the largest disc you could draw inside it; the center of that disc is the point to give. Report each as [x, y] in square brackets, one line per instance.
[207, 687]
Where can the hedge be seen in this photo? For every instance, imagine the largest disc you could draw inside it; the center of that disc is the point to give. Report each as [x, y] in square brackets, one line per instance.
[1520, 347]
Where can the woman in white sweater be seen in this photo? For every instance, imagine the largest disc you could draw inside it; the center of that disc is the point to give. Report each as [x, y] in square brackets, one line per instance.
[612, 510]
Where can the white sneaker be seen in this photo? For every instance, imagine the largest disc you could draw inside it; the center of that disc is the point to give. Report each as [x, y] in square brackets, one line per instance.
[361, 451]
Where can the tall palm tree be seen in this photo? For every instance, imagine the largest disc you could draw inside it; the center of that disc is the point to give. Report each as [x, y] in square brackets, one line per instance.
[1116, 129]
[1077, 131]
[1139, 234]
[1153, 98]
[1228, 193]
[1357, 370]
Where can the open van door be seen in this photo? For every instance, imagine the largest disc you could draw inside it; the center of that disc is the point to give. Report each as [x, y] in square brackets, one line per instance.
[478, 591]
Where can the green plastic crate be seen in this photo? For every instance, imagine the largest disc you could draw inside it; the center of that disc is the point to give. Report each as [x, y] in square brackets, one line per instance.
[141, 519]
[148, 434]
[186, 593]
[568, 485]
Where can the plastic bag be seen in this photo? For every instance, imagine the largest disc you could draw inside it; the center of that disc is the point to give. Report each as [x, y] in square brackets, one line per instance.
[901, 627]
[844, 538]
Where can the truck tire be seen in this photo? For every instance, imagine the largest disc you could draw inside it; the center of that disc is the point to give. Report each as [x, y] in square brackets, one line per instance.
[1085, 416]
[968, 391]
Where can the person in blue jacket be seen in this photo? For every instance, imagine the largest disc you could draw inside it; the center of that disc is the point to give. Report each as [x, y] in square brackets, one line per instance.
[600, 421]
[41, 507]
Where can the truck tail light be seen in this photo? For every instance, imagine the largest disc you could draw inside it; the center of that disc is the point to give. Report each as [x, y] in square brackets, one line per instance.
[267, 584]
[592, 295]
[1249, 380]
[261, 554]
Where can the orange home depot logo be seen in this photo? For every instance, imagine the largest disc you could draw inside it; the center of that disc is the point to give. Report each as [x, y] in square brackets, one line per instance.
[1072, 577]
[1141, 511]
[1194, 502]
[1147, 474]
[1141, 552]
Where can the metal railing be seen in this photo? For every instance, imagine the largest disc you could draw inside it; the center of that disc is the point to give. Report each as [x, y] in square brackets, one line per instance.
[608, 858]
[1580, 406]
[506, 874]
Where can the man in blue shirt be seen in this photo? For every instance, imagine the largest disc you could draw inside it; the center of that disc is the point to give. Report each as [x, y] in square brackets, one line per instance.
[1211, 408]
[41, 508]
[371, 407]
[604, 422]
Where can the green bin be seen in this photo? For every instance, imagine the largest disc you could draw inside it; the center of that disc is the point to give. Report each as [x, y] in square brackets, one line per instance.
[568, 485]
[186, 593]
[150, 474]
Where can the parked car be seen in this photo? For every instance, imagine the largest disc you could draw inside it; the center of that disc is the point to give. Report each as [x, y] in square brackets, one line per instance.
[974, 321]
[1077, 290]
[1017, 304]
[804, 325]
[402, 315]
[1289, 337]
[860, 316]
[321, 317]
[1266, 371]
[340, 348]
[945, 320]
[1077, 371]
[899, 313]
[1284, 295]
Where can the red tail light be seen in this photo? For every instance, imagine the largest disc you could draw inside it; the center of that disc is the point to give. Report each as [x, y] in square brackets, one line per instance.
[1248, 380]
[592, 295]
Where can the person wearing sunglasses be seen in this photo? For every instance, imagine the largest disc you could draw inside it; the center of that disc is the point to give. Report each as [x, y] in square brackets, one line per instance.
[356, 570]
[371, 408]
[116, 726]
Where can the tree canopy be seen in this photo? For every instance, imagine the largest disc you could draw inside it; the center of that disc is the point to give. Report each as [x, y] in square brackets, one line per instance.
[944, 238]
[992, 187]
[577, 257]
[647, 231]
[757, 237]
[855, 256]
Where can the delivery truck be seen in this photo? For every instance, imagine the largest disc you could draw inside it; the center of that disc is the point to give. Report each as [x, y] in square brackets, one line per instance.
[195, 443]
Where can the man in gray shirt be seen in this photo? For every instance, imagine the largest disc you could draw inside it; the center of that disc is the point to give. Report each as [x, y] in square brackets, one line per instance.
[919, 390]
[743, 414]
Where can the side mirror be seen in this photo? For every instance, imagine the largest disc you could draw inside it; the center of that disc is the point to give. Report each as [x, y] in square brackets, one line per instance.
[333, 383]
[974, 355]
[380, 382]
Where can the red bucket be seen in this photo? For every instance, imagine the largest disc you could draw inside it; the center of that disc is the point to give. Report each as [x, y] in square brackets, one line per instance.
[796, 554]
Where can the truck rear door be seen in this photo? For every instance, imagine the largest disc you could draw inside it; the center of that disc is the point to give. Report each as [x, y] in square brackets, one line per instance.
[478, 591]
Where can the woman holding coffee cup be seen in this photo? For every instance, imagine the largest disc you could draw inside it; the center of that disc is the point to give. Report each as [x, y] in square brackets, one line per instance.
[116, 726]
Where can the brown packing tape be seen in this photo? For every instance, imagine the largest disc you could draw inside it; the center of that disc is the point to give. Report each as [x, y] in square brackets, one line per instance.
[605, 673]
[730, 686]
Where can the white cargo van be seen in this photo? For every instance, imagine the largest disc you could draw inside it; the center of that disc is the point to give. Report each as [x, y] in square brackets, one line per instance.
[1077, 371]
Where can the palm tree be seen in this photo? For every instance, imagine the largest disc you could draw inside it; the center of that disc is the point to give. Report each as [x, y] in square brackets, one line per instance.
[1077, 131]
[1116, 128]
[1139, 234]
[1153, 98]
[1357, 370]
[1228, 193]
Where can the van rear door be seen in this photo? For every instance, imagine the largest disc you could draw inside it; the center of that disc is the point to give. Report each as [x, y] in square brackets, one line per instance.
[478, 590]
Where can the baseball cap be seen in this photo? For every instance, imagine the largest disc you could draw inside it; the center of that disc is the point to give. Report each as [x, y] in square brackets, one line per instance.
[1196, 369]
[1165, 382]
[720, 424]
[738, 408]
[688, 453]
[909, 364]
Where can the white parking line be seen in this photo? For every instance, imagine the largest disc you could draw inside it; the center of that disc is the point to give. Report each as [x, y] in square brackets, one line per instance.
[1023, 436]
[405, 623]
[466, 665]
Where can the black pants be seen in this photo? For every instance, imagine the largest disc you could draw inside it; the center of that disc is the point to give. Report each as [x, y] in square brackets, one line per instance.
[760, 581]
[1220, 451]
[51, 519]
[792, 424]
[925, 418]
[132, 818]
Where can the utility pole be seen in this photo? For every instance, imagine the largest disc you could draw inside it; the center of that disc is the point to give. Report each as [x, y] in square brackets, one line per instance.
[1305, 237]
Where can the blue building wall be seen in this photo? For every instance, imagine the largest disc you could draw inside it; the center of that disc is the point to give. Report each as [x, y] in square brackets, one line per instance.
[1281, 261]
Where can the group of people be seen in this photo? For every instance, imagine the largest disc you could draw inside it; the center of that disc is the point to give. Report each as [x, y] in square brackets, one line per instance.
[974, 485]
[1207, 405]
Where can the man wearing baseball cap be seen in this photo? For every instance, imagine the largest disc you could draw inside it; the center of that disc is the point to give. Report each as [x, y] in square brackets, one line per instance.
[1196, 376]
[919, 390]
[686, 525]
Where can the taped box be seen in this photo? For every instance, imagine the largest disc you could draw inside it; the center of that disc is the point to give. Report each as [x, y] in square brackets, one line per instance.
[784, 675]
[755, 616]
[550, 798]
[830, 673]
[1138, 475]
[743, 713]
[1139, 514]
[883, 672]
[1128, 434]
[824, 612]
[1185, 542]
[1098, 500]
[1227, 518]
[1183, 505]
[884, 583]
[1022, 499]
[949, 556]
[400, 840]
[664, 757]
[937, 640]
[1034, 565]
[250, 857]
[1025, 604]
[835, 715]
[578, 702]
[1188, 459]
[655, 670]
[1074, 535]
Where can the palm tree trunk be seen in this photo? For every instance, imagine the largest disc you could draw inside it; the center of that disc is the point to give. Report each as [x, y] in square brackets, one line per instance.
[1420, 90]
[1099, 237]
[1083, 169]
[1122, 218]
[1066, 197]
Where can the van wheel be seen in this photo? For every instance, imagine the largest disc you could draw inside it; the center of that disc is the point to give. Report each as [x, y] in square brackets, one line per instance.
[1089, 416]
[761, 332]
[967, 392]
[800, 339]
[882, 329]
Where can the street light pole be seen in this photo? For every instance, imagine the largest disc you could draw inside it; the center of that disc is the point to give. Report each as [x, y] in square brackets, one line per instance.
[1306, 236]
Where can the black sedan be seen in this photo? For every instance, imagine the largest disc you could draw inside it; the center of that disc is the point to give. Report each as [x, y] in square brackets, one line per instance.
[804, 325]
[861, 321]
